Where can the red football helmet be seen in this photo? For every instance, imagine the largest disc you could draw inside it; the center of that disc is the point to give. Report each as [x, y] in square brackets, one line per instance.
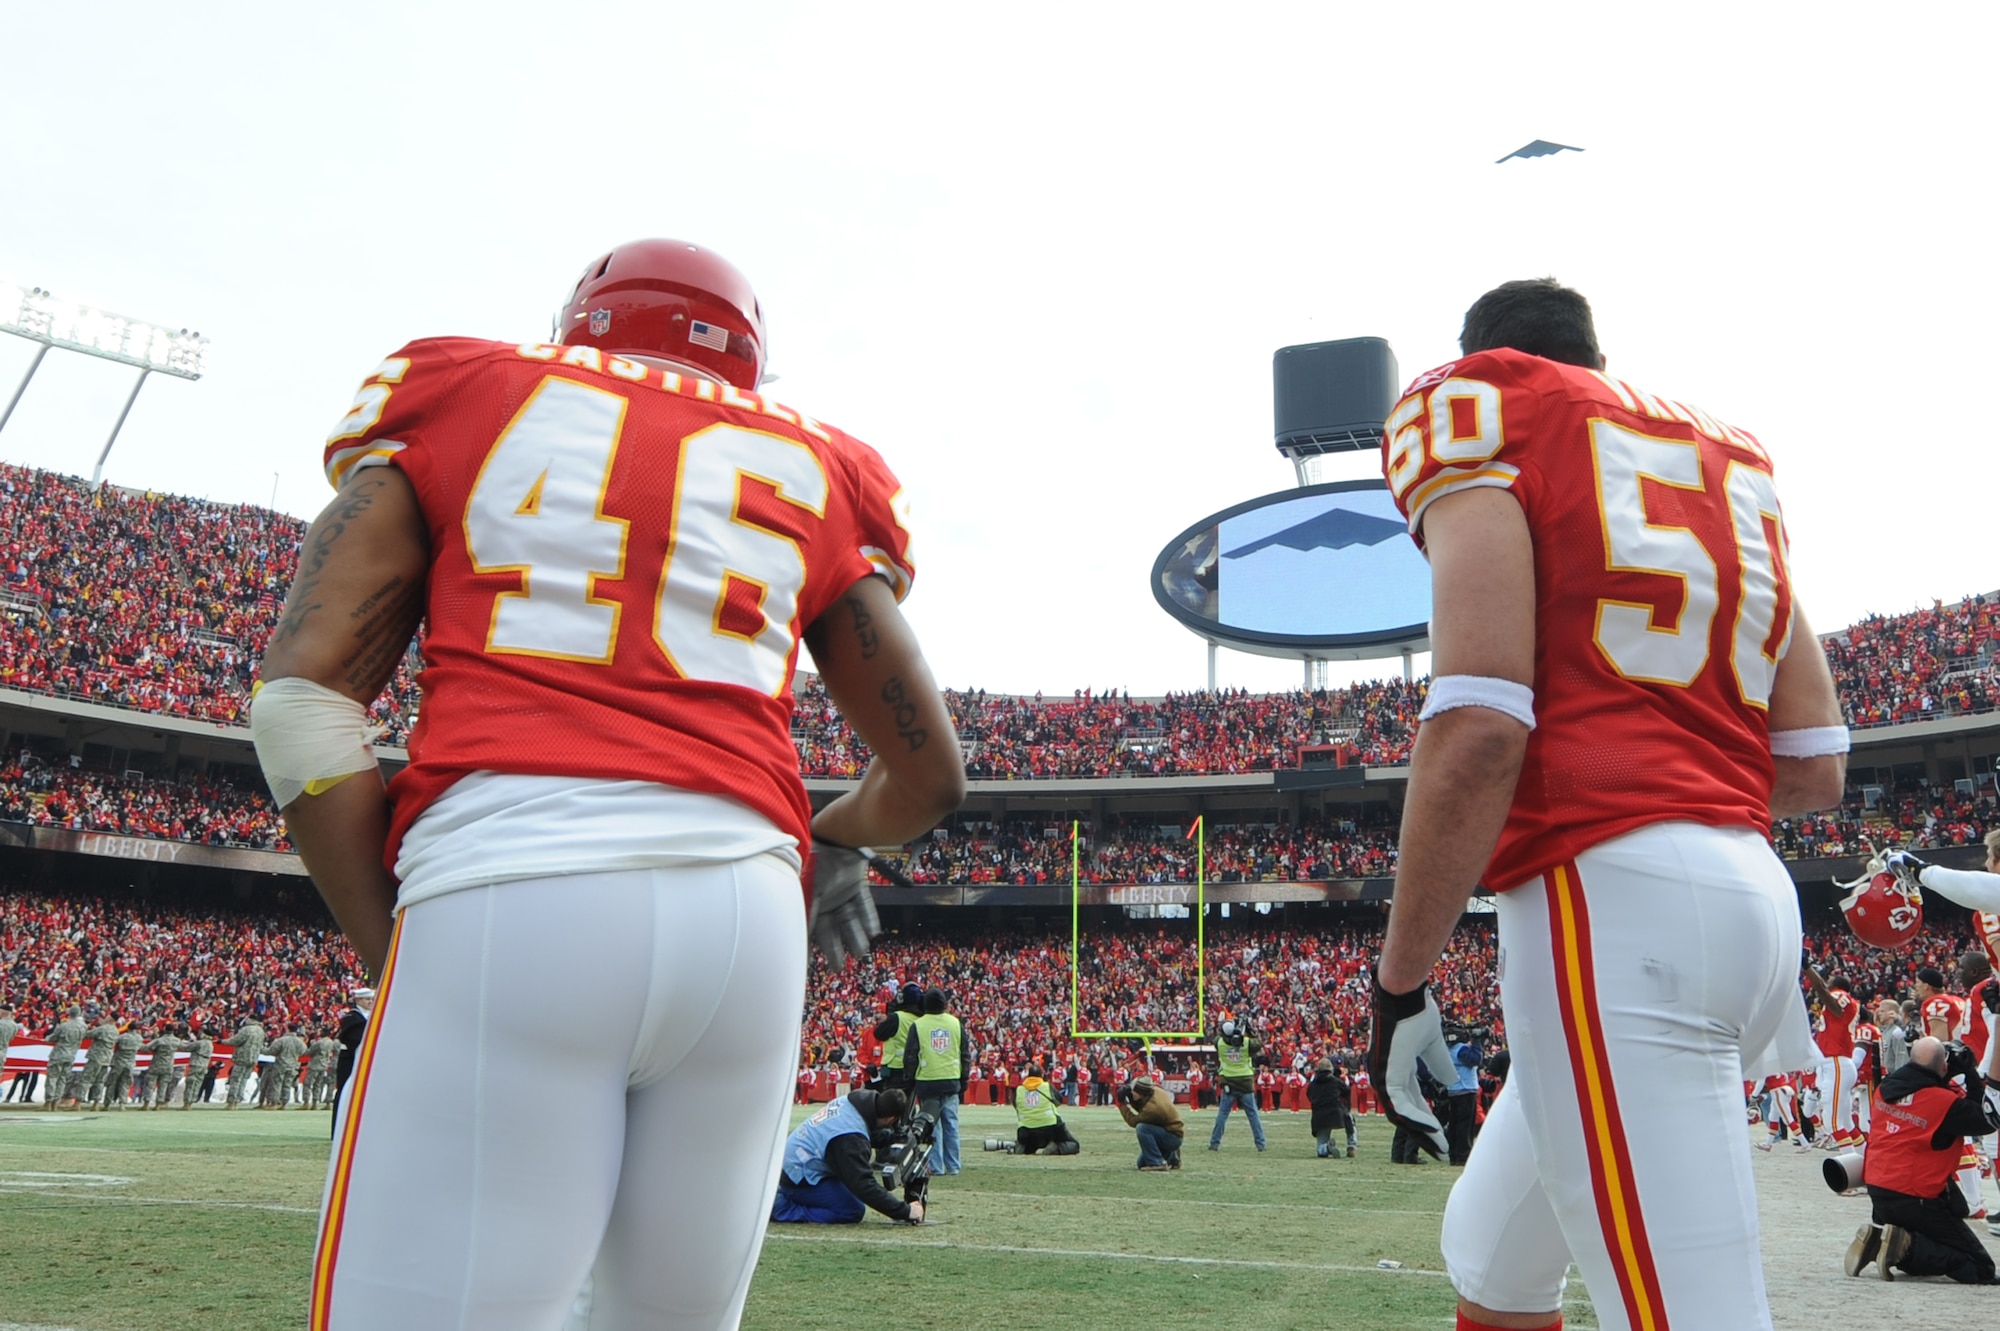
[673, 300]
[1882, 910]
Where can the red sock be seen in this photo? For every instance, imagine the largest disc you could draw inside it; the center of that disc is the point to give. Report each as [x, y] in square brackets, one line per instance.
[1467, 1324]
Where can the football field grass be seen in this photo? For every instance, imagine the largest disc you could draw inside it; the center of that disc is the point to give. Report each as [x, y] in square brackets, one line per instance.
[113, 1222]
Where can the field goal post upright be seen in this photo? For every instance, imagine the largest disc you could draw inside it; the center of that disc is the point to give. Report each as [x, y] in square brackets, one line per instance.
[1200, 834]
[34, 314]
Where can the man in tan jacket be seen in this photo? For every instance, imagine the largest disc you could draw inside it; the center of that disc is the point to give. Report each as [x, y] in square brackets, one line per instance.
[1150, 1109]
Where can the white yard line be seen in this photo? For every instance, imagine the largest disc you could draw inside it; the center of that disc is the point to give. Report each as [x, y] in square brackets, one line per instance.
[1193, 1201]
[1096, 1255]
[96, 1198]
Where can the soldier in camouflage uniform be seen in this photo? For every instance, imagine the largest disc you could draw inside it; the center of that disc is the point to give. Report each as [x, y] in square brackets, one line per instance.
[160, 1071]
[97, 1062]
[286, 1051]
[200, 1050]
[124, 1060]
[248, 1043]
[9, 1028]
[319, 1070]
[64, 1040]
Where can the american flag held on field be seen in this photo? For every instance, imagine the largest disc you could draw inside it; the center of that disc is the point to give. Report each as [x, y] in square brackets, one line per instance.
[708, 335]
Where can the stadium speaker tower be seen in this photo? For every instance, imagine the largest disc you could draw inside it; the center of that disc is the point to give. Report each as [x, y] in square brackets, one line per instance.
[1331, 397]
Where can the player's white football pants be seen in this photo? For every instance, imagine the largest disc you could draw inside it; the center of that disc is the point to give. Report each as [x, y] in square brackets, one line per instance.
[1835, 1075]
[1634, 981]
[568, 1079]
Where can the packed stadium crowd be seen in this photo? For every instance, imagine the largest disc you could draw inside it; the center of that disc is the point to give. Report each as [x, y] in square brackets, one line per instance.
[1304, 987]
[209, 813]
[163, 604]
[171, 961]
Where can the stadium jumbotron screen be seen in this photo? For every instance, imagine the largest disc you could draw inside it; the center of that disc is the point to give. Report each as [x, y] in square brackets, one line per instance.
[1327, 570]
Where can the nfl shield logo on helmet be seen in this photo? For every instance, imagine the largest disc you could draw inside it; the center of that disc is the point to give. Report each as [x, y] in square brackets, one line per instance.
[941, 1041]
[600, 322]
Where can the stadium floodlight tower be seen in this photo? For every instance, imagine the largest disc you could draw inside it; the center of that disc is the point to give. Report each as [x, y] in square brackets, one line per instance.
[40, 317]
[1321, 573]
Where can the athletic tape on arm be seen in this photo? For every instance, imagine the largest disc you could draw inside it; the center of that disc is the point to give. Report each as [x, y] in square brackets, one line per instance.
[1498, 695]
[308, 737]
[1810, 742]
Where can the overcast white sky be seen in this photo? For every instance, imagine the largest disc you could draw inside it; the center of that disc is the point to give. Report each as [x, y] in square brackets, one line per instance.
[1040, 255]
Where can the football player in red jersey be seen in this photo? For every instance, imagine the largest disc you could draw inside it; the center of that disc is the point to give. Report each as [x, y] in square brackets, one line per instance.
[615, 545]
[1624, 694]
[1836, 1072]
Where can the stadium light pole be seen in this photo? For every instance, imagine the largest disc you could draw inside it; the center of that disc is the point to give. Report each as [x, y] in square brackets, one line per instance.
[38, 316]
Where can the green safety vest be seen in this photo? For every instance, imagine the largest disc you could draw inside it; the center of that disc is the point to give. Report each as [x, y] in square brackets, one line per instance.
[892, 1048]
[1035, 1105]
[937, 1047]
[1234, 1059]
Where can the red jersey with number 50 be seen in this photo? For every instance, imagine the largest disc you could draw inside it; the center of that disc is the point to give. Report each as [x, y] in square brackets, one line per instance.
[1662, 598]
[622, 561]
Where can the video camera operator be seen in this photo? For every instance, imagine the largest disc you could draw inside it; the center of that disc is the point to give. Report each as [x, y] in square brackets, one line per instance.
[1920, 1123]
[828, 1176]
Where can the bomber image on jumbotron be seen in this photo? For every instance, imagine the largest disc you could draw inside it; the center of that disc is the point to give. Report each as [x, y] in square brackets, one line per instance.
[706, 668]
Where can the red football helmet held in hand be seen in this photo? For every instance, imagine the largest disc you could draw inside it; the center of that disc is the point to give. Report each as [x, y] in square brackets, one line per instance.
[1882, 909]
[671, 300]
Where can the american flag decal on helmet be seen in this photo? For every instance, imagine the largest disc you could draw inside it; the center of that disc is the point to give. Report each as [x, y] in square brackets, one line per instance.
[708, 335]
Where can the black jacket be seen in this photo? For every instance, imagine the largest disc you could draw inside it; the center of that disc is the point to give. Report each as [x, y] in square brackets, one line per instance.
[1967, 1118]
[1328, 1093]
[353, 1025]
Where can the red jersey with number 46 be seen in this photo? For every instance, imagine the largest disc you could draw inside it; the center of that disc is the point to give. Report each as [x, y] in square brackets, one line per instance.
[622, 561]
[1662, 598]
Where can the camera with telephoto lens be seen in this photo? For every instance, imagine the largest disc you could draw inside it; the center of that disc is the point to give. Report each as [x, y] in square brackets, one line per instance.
[904, 1163]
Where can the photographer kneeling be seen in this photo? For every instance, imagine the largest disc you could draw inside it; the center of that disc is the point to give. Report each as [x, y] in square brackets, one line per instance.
[1040, 1124]
[1150, 1109]
[827, 1177]
[1919, 1125]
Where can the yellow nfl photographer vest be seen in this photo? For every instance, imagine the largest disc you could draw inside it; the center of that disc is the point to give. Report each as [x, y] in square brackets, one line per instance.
[1234, 1059]
[937, 1047]
[892, 1048]
[1035, 1105]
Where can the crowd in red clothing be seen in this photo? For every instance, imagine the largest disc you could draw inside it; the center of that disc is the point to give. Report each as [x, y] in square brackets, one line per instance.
[1304, 990]
[1130, 851]
[147, 601]
[172, 961]
[209, 813]
[1935, 662]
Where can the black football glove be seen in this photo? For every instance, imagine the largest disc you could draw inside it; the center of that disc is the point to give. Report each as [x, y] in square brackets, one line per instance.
[1406, 1028]
[843, 920]
[1989, 994]
[1909, 870]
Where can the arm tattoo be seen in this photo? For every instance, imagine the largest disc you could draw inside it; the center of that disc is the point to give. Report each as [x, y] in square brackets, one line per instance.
[383, 624]
[905, 711]
[301, 605]
[864, 627]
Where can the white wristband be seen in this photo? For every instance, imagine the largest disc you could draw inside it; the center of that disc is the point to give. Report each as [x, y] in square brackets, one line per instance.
[1499, 695]
[308, 737]
[1811, 742]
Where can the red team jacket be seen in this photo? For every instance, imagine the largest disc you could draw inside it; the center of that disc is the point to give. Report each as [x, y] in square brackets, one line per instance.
[1663, 598]
[622, 561]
